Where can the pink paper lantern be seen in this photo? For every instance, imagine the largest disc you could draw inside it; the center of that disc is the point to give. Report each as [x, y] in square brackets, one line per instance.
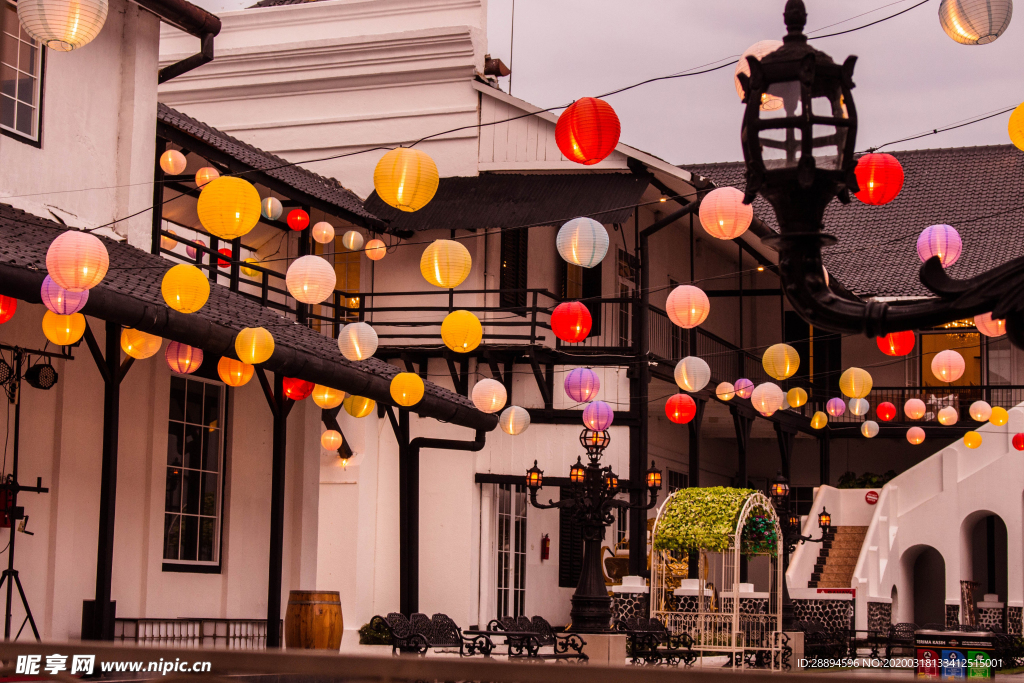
[182, 358]
[598, 416]
[835, 407]
[942, 241]
[743, 387]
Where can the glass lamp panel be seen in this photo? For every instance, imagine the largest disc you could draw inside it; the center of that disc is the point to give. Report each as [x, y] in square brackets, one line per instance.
[780, 147]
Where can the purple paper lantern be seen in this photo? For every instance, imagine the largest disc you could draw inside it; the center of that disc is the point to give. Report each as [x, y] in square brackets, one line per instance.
[835, 407]
[743, 387]
[598, 416]
[182, 358]
[60, 300]
[942, 241]
[191, 251]
[582, 384]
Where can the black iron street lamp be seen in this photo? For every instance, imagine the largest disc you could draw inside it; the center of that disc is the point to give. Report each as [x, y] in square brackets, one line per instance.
[800, 157]
[591, 500]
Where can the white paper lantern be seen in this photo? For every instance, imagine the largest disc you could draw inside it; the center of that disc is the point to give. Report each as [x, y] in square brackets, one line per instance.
[310, 279]
[914, 408]
[62, 25]
[514, 420]
[989, 326]
[353, 240]
[767, 398]
[692, 374]
[323, 232]
[357, 341]
[859, 406]
[948, 365]
[582, 241]
[759, 51]
[980, 411]
[489, 395]
[173, 162]
[975, 22]
[271, 208]
[948, 416]
[869, 428]
[687, 306]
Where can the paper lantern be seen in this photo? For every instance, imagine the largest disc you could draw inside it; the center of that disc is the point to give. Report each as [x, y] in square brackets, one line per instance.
[357, 341]
[744, 387]
[376, 250]
[228, 207]
[185, 288]
[571, 321]
[587, 131]
[310, 279]
[692, 374]
[445, 263]
[298, 220]
[989, 326]
[972, 439]
[975, 22]
[859, 406]
[461, 331]
[724, 215]
[359, 406]
[489, 395]
[233, 372]
[581, 384]
[1018, 442]
[271, 208]
[880, 177]
[582, 241]
[251, 272]
[767, 398]
[725, 391]
[254, 345]
[835, 407]
[759, 51]
[819, 420]
[205, 175]
[62, 26]
[60, 300]
[407, 389]
[780, 361]
[948, 416]
[855, 383]
[406, 179]
[914, 408]
[948, 365]
[514, 420]
[173, 162]
[221, 263]
[980, 411]
[896, 343]
[168, 242]
[323, 232]
[77, 260]
[1016, 127]
[942, 241]
[999, 416]
[352, 240]
[327, 397]
[796, 397]
[331, 440]
[63, 330]
[687, 306]
[915, 435]
[598, 416]
[182, 358]
[869, 428]
[297, 389]
[191, 251]
[138, 344]
[885, 411]
[680, 408]
[8, 306]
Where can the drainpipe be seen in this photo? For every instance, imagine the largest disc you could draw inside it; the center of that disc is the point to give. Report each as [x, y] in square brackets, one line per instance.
[192, 20]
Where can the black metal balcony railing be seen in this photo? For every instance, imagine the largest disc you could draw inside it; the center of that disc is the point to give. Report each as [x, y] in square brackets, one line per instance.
[935, 398]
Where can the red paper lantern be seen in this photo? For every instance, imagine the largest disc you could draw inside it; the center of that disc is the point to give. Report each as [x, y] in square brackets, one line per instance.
[587, 131]
[571, 321]
[298, 219]
[297, 389]
[885, 411]
[221, 263]
[896, 343]
[880, 177]
[680, 409]
[8, 305]
[1018, 442]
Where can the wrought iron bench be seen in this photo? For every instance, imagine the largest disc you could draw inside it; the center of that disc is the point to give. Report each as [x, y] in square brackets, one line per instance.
[651, 643]
[821, 643]
[564, 646]
[901, 637]
[419, 634]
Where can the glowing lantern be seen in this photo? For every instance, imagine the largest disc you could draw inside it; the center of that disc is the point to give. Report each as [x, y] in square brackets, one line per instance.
[724, 215]
[598, 416]
[173, 162]
[357, 341]
[407, 389]
[331, 440]
[835, 407]
[254, 345]
[880, 177]
[582, 241]
[62, 26]
[77, 260]
[759, 51]
[975, 22]
[323, 232]
[514, 420]
[796, 397]
[855, 383]
[819, 420]
[859, 406]
[885, 411]
[327, 397]
[489, 395]
[233, 372]
[359, 406]
[915, 435]
[271, 208]
[167, 241]
[352, 240]
[63, 330]
[1018, 442]
[972, 439]
[138, 344]
[680, 409]
[692, 374]
[406, 179]
[869, 428]
[980, 411]
[744, 387]
[999, 416]
[587, 131]
[725, 391]
[581, 384]
[914, 408]
[989, 326]
[228, 207]
[896, 343]
[8, 305]
[191, 251]
[780, 361]
[251, 272]
[310, 279]
[461, 331]
[60, 300]
[205, 175]
[185, 288]
[445, 263]
[297, 389]
[942, 241]
[376, 250]
[1016, 127]
[948, 365]
[182, 358]
[687, 306]
[571, 321]
[221, 263]
[767, 398]
[948, 416]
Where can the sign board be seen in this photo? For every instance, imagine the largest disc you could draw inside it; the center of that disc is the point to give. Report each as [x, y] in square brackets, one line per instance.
[871, 497]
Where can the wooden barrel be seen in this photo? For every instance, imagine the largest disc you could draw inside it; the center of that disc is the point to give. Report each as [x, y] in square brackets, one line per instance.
[313, 620]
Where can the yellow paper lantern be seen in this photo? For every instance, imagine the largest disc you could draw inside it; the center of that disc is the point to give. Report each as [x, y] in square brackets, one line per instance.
[233, 372]
[205, 175]
[780, 361]
[1016, 127]
[331, 440]
[173, 162]
[254, 345]
[359, 406]
[185, 288]
[77, 261]
[376, 250]
[819, 420]
[999, 416]
[915, 435]
[796, 397]
[327, 397]
[167, 241]
[514, 420]
[310, 279]
[228, 207]
[63, 330]
[139, 344]
[407, 389]
[461, 331]
[972, 439]
[250, 272]
[406, 179]
[445, 263]
[855, 383]
[948, 416]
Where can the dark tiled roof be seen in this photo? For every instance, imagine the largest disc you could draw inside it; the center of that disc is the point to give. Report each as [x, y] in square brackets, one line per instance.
[977, 190]
[323, 188]
[503, 200]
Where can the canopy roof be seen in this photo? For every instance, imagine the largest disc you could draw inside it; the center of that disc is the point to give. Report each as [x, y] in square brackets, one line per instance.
[699, 518]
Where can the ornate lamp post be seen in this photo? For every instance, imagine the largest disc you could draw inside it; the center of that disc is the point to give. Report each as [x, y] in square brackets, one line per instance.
[591, 500]
[800, 157]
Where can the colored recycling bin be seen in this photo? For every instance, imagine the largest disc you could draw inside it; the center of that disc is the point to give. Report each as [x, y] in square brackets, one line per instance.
[953, 654]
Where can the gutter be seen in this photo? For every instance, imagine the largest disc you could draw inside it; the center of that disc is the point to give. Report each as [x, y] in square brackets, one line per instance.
[191, 19]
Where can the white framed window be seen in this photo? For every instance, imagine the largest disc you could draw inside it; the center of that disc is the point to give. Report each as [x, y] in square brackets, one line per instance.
[21, 78]
[511, 505]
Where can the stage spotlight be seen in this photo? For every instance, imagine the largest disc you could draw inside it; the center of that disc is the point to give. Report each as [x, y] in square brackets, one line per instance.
[6, 373]
[41, 376]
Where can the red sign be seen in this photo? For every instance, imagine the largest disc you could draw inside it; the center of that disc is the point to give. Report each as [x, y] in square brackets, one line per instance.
[871, 497]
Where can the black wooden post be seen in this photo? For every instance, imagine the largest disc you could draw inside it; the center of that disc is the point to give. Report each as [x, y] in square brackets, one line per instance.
[785, 439]
[236, 257]
[824, 458]
[694, 428]
[158, 197]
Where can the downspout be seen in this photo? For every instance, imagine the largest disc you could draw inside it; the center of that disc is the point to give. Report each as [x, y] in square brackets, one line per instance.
[192, 20]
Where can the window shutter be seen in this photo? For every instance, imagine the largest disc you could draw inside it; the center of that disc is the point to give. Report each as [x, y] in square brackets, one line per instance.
[570, 550]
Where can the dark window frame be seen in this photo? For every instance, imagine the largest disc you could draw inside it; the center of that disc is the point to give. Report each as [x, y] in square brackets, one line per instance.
[513, 271]
[36, 142]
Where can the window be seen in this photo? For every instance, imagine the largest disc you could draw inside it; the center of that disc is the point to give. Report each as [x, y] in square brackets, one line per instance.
[802, 499]
[20, 80]
[346, 268]
[514, 250]
[511, 503]
[677, 480]
[621, 525]
[1000, 361]
[584, 284]
[626, 271]
[195, 441]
